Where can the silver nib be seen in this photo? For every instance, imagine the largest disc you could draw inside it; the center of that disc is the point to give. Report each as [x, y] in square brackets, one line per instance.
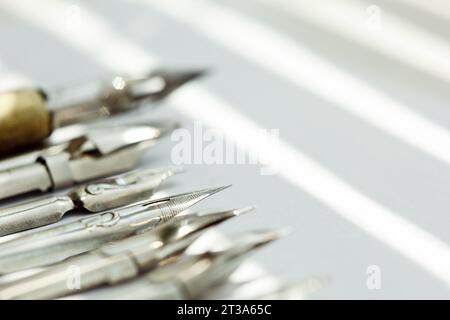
[175, 204]
[58, 243]
[107, 139]
[182, 226]
[159, 84]
[118, 261]
[101, 152]
[118, 95]
[200, 272]
[224, 262]
[249, 241]
[133, 187]
[93, 197]
[241, 211]
[190, 276]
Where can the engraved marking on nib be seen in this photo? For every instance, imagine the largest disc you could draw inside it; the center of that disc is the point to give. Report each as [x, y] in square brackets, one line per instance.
[182, 202]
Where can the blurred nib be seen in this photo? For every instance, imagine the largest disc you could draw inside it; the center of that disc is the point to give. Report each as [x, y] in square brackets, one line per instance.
[214, 218]
[241, 211]
[249, 241]
[175, 79]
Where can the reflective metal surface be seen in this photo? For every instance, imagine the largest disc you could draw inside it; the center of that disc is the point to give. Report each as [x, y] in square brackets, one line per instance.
[57, 243]
[97, 196]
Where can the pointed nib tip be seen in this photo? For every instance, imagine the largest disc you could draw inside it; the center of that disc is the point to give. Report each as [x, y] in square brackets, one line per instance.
[169, 127]
[194, 74]
[166, 129]
[267, 236]
[171, 171]
[253, 240]
[282, 232]
[272, 235]
[279, 233]
[202, 194]
[241, 211]
[178, 78]
[175, 170]
[215, 218]
[212, 191]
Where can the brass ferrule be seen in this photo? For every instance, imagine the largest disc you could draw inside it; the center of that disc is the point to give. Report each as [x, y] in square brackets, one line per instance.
[24, 119]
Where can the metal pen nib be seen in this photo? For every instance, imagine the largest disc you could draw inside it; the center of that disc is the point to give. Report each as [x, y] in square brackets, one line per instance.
[118, 261]
[224, 262]
[97, 196]
[119, 95]
[168, 82]
[30, 115]
[191, 275]
[55, 244]
[101, 152]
